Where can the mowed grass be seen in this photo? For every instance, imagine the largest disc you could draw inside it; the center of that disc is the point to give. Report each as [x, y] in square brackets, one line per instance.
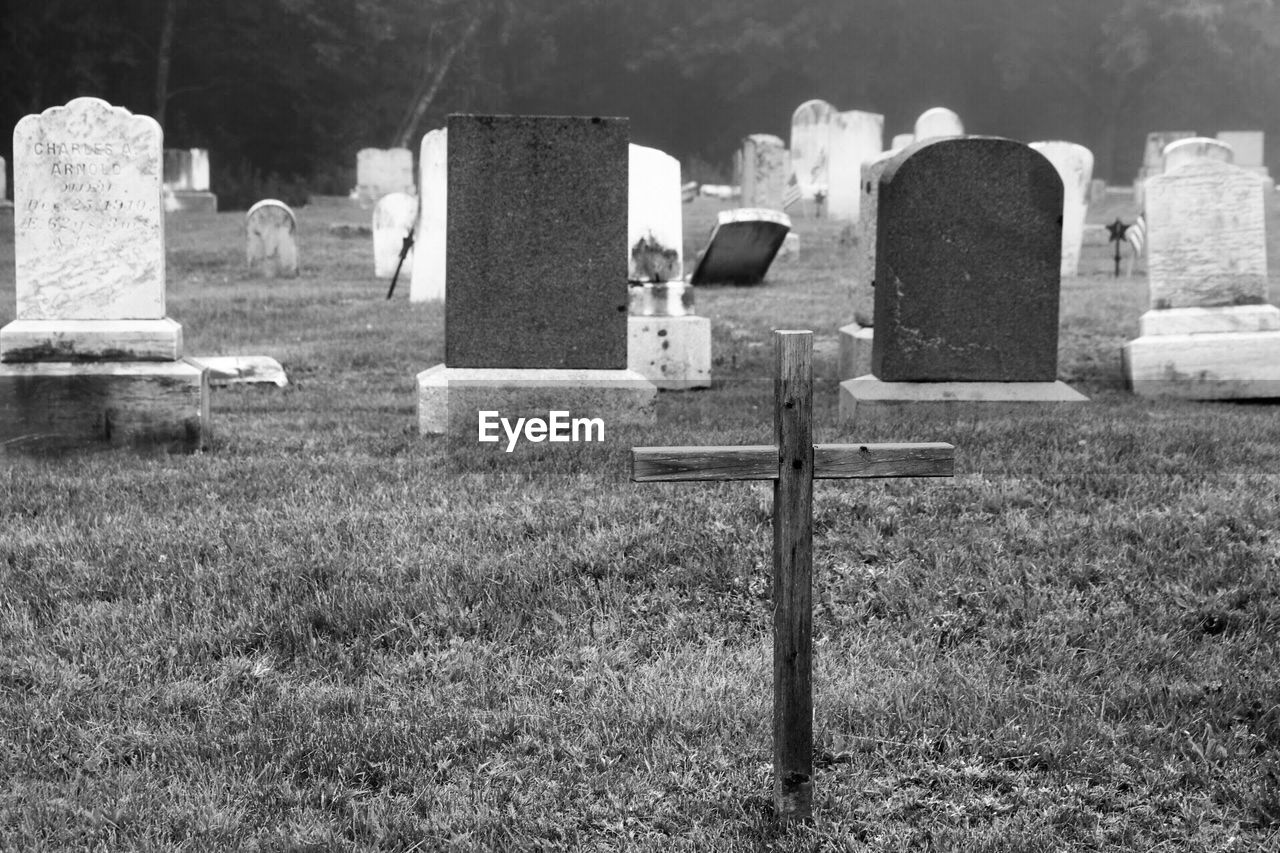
[327, 632]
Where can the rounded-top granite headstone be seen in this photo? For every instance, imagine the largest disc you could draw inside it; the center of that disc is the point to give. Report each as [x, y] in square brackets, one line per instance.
[968, 250]
[1075, 166]
[271, 246]
[810, 146]
[764, 171]
[89, 225]
[937, 122]
[394, 217]
[1194, 149]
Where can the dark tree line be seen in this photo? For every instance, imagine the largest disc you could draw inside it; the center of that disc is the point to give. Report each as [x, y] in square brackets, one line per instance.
[284, 92]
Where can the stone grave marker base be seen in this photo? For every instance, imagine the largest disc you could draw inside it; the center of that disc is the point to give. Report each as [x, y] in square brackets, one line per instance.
[1192, 321]
[674, 353]
[190, 201]
[855, 351]
[242, 370]
[449, 398]
[1206, 366]
[868, 396]
[91, 340]
[158, 405]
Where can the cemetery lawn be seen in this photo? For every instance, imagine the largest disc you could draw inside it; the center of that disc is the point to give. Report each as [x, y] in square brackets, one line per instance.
[327, 632]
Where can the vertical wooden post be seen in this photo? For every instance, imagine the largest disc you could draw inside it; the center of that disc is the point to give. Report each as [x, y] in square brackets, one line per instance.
[792, 578]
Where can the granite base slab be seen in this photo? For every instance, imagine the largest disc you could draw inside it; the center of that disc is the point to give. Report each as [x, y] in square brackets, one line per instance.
[1205, 366]
[157, 405]
[867, 394]
[1197, 321]
[450, 398]
[674, 353]
[855, 351]
[91, 340]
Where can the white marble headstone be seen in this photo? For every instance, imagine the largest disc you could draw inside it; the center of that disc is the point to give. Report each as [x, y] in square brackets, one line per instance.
[856, 137]
[764, 171]
[271, 242]
[902, 140]
[1206, 237]
[394, 217]
[433, 216]
[655, 217]
[937, 121]
[1075, 166]
[811, 145]
[384, 170]
[89, 226]
[1183, 151]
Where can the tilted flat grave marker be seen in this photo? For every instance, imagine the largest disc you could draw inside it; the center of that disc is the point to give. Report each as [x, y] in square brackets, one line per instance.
[741, 247]
[792, 462]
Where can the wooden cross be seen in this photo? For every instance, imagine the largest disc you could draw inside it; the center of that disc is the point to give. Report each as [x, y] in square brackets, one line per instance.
[792, 463]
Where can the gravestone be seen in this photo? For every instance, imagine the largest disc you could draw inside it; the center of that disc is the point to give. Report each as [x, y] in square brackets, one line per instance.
[855, 338]
[968, 252]
[1249, 148]
[902, 140]
[1183, 151]
[811, 147]
[1209, 332]
[91, 356]
[765, 170]
[666, 343]
[856, 137]
[536, 309]
[271, 239]
[394, 218]
[186, 181]
[937, 122]
[380, 171]
[1153, 158]
[428, 282]
[1075, 167]
[741, 247]
[792, 462]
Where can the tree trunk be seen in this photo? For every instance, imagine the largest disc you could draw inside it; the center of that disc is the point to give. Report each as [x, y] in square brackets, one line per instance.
[430, 84]
[168, 18]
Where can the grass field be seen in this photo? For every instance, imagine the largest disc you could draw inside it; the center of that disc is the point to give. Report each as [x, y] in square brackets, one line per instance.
[326, 632]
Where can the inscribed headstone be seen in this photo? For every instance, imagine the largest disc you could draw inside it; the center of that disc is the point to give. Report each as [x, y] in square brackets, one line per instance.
[383, 170]
[968, 252]
[433, 214]
[764, 171]
[856, 137]
[1206, 237]
[1184, 151]
[537, 230]
[1075, 166]
[394, 217]
[810, 146]
[936, 122]
[89, 235]
[271, 242]
[655, 216]
[742, 246]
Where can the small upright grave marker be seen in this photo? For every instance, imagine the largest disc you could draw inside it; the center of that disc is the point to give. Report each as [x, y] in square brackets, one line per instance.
[271, 239]
[937, 122]
[792, 462]
[91, 356]
[1153, 158]
[764, 171]
[811, 149]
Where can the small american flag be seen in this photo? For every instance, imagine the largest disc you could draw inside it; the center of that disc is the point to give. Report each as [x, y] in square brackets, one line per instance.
[791, 194]
[1136, 234]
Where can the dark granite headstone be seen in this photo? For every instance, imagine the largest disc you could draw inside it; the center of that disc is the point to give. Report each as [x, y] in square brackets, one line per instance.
[537, 242]
[968, 253]
[742, 246]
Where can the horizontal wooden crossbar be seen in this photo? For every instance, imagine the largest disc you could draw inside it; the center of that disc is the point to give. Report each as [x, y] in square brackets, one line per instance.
[760, 462]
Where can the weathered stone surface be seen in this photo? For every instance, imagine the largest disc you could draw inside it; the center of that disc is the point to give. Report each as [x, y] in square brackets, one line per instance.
[89, 229]
[271, 239]
[655, 217]
[811, 146]
[1075, 167]
[1206, 237]
[394, 218]
[91, 340]
[968, 252]
[1183, 151]
[537, 229]
[674, 353]
[383, 170]
[856, 138]
[866, 397]
[1200, 321]
[937, 122]
[1224, 366]
[666, 299]
[742, 246]
[428, 282]
[765, 169]
[242, 370]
